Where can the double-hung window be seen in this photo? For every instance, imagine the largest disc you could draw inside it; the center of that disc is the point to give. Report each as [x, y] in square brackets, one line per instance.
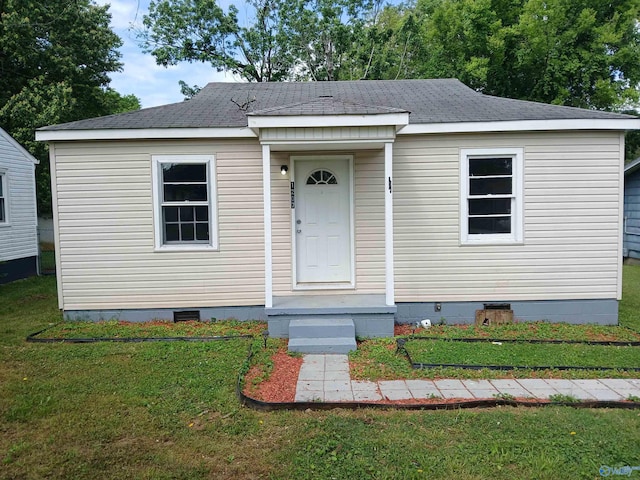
[185, 208]
[491, 203]
[4, 204]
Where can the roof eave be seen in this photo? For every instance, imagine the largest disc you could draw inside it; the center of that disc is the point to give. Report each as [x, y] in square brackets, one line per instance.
[523, 125]
[143, 134]
[400, 120]
[289, 121]
[632, 167]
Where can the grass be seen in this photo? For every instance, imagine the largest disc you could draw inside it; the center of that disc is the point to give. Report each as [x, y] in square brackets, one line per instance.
[525, 354]
[157, 329]
[378, 360]
[169, 411]
[534, 331]
[629, 312]
[47, 257]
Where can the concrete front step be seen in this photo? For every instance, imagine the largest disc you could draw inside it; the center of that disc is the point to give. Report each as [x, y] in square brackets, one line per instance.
[336, 345]
[322, 326]
[322, 334]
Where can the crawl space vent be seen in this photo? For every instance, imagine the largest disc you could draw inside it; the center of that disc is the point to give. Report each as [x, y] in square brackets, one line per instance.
[186, 316]
[494, 314]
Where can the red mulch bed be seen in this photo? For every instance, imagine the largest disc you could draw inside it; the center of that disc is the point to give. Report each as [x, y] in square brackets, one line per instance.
[281, 385]
[404, 329]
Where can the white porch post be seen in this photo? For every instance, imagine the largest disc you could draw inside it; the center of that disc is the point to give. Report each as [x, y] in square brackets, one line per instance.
[388, 223]
[268, 263]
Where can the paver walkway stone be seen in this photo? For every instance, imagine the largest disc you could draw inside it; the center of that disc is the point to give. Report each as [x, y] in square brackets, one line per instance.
[326, 378]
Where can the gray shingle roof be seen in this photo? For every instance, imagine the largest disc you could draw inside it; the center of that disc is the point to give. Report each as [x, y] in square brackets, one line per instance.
[429, 101]
[326, 106]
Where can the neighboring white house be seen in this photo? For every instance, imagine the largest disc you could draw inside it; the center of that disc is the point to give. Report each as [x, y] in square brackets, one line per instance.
[18, 215]
[379, 200]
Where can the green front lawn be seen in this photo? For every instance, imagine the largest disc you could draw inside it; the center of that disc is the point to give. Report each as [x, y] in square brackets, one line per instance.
[169, 411]
[156, 329]
[378, 359]
[522, 354]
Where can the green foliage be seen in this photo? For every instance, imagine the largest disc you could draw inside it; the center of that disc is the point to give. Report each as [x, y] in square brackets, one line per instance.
[156, 329]
[187, 90]
[55, 58]
[523, 354]
[283, 39]
[539, 330]
[629, 311]
[200, 30]
[581, 53]
[563, 398]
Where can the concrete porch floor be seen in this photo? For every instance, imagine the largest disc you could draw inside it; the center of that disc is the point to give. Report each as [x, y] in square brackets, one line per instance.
[369, 313]
[329, 304]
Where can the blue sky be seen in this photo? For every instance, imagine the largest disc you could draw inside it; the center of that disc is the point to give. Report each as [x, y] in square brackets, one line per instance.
[151, 83]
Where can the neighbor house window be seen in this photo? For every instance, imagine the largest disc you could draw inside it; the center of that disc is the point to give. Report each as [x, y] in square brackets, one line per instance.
[491, 203]
[4, 204]
[184, 194]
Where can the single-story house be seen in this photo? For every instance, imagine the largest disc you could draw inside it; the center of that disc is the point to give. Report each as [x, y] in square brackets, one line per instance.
[363, 201]
[18, 211]
[631, 245]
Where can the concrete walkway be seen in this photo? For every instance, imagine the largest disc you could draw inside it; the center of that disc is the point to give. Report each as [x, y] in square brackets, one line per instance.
[326, 378]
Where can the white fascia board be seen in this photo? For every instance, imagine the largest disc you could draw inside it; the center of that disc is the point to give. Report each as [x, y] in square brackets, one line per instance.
[522, 125]
[143, 133]
[282, 121]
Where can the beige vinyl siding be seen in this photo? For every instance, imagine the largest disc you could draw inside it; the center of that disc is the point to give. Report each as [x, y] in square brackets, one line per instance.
[18, 238]
[369, 226]
[106, 232]
[571, 220]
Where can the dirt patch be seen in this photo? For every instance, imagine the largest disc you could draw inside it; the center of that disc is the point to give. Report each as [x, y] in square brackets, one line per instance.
[281, 384]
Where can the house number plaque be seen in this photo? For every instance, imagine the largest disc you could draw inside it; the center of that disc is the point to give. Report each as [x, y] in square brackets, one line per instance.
[293, 195]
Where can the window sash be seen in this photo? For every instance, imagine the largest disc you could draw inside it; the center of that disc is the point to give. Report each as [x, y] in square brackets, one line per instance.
[491, 217]
[184, 219]
[186, 228]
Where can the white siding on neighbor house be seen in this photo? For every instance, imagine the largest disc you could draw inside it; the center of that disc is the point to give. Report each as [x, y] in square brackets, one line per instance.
[369, 225]
[571, 220]
[106, 232]
[19, 238]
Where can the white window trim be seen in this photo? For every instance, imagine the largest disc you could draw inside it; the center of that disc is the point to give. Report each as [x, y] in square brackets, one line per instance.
[4, 178]
[517, 214]
[156, 173]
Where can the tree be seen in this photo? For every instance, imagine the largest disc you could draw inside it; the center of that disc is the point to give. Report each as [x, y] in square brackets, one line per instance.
[200, 30]
[282, 39]
[323, 35]
[583, 53]
[55, 57]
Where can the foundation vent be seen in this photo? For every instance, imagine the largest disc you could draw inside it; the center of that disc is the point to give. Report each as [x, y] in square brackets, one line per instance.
[186, 316]
[494, 314]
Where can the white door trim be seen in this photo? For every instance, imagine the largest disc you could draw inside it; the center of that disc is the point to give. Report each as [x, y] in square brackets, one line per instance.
[294, 273]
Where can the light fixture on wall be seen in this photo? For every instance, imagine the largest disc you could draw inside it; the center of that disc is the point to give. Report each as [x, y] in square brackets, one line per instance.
[284, 169]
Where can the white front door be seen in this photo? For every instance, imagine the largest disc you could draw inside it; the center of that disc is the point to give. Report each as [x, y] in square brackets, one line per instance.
[323, 220]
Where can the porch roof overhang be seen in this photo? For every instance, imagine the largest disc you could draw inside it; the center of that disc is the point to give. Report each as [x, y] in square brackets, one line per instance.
[399, 120]
[327, 123]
